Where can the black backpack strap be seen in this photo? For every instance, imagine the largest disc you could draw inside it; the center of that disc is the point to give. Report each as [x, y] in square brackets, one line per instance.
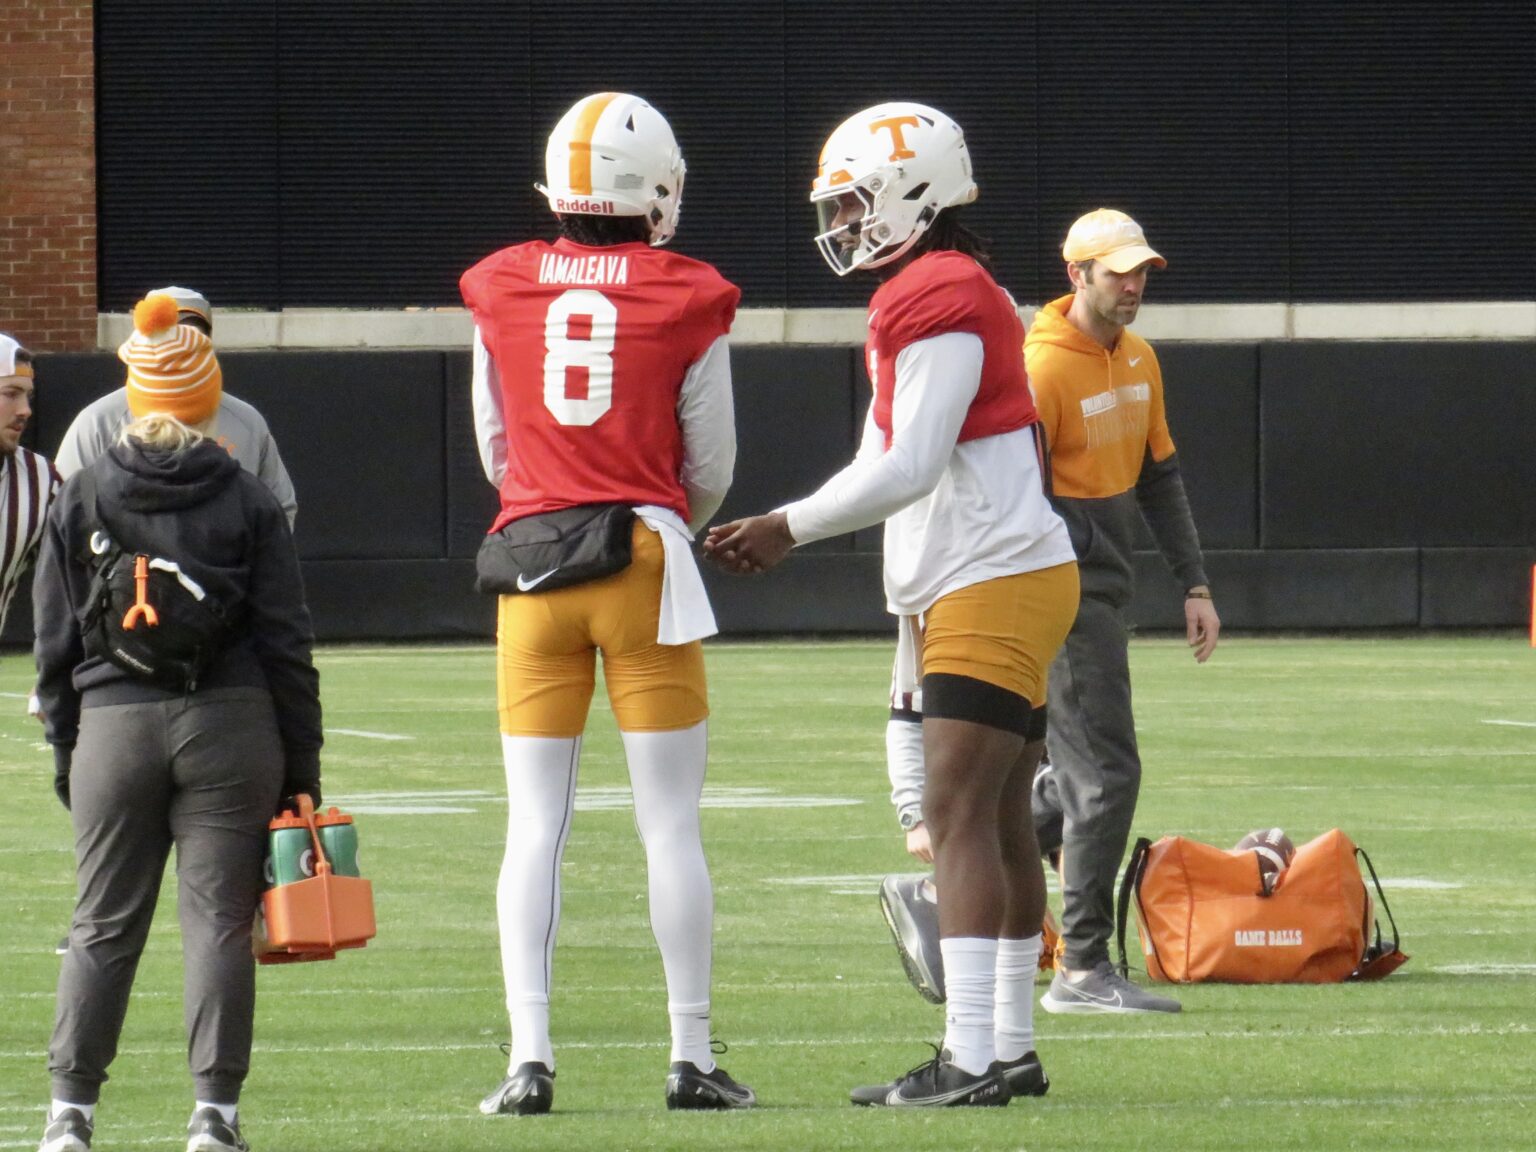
[1377, 948]
[1129, 885]
[99, 564]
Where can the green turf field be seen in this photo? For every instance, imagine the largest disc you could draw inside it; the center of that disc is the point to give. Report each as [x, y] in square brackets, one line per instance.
[1423, 749]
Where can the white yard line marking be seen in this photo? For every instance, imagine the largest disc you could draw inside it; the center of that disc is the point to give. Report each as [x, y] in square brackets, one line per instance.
[1164, 1036]
[408, 810]
[1224, 1104]
[1419, 882]
[363, 735]
[1512, 723]
[1486, 969]
[441, 794]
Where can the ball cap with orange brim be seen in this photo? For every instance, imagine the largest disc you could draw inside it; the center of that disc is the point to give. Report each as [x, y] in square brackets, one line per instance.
[10, 358]
[1112, 238]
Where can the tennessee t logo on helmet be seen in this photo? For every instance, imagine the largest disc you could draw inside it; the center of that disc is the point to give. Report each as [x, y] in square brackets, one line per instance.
[903, 163]
[894, 125]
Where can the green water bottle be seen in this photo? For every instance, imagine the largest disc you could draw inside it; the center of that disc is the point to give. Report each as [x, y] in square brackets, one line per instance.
[338, 836]
[292, 854]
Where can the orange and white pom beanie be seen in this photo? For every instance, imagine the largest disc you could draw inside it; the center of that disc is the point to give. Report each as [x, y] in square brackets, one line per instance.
[171, 367]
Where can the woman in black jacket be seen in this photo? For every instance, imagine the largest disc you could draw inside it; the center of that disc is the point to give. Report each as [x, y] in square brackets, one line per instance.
[143, 766]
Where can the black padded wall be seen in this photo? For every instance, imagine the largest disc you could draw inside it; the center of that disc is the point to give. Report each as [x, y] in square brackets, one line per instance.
[1335, 485]
[1398, 444]
[361, 434]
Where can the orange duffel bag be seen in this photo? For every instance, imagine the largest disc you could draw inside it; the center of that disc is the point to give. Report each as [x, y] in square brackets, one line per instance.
[1203, 915]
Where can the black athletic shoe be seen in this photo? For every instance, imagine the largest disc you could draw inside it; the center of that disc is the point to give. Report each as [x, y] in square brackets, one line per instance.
[529, 1091]
[688, 1088]
[69, 1131]
[940, 1083]
[1024, 1076]
[208, 1132]
[62, 947]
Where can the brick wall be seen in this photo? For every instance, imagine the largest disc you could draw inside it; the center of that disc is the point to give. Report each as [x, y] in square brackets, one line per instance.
[48, 174]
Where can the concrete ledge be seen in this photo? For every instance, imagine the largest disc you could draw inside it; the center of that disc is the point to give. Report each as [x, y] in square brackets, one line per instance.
[451, 327]
[1459, 320]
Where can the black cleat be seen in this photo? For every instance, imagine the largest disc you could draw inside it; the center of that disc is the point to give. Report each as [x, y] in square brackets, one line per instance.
[529, 1091]
[208, 1132]
[62, 947]
[69, 1131]
[940, 1083]
[688, 1088]
[1024, 1076]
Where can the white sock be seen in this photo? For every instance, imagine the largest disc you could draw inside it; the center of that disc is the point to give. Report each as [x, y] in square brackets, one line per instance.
[530, 1034]
[58, 1106]
[541, 793]
[227, 1112]
[666, 773]
[690, 1034]
[1014, 1015]
[970, 978]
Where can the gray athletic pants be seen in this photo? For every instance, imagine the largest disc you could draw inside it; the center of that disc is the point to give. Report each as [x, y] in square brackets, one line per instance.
[1086, 802]
[203, 773]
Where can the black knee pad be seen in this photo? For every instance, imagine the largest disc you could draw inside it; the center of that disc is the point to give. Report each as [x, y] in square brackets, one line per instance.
[950, 697]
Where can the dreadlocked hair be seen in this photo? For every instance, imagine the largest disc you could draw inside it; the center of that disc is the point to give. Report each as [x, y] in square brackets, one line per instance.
[602, 231]
[948, 234]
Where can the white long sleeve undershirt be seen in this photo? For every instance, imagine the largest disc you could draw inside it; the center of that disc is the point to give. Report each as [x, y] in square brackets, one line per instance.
[936, 380]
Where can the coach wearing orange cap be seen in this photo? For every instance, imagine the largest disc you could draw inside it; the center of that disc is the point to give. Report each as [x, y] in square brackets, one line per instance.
[183, 388]
[1099, 390]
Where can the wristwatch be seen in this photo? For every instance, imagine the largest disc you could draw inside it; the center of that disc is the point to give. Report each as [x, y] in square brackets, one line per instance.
[909, 817]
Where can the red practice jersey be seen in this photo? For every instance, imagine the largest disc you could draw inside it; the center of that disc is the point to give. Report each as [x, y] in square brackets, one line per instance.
[949, 292]
[591, 346]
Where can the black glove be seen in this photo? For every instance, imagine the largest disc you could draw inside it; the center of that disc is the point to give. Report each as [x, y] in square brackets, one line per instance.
[62, 757]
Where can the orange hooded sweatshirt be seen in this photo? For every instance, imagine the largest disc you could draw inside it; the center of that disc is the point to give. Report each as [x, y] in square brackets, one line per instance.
[1111, 452]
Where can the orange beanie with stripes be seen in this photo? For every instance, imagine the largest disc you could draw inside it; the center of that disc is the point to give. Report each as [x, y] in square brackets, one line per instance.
[171, 367]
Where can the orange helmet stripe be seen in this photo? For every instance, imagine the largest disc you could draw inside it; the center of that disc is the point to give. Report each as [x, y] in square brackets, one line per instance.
[581, 141]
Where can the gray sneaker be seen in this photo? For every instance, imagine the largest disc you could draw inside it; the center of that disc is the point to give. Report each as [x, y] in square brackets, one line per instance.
[907, 902]
[1103, 990]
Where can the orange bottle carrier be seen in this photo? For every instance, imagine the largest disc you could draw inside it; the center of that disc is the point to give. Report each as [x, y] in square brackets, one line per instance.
[314, 918]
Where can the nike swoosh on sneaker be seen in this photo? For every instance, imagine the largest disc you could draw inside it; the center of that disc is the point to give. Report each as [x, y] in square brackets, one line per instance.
[526, 585]
[1112, 1000]
[894, 1098]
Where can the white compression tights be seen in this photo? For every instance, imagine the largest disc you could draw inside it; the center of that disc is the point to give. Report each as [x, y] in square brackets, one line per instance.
[667, 776]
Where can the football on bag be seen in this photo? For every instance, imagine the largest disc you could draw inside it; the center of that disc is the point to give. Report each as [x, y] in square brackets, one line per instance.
[1274, 851]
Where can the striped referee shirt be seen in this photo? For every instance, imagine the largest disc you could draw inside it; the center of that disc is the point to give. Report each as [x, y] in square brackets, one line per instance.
[28, 485]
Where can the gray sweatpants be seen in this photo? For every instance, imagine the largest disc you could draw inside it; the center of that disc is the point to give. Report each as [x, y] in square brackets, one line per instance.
[1086, 802]
[203, 773]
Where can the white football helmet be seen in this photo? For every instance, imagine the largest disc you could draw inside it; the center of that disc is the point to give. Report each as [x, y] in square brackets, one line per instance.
[906, 163]
[613, 154]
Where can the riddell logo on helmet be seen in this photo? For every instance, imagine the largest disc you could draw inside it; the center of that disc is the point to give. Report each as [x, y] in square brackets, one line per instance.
[580, 204]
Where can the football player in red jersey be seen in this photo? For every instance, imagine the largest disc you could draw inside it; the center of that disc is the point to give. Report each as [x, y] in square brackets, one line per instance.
[978, 568]
[602, 377]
